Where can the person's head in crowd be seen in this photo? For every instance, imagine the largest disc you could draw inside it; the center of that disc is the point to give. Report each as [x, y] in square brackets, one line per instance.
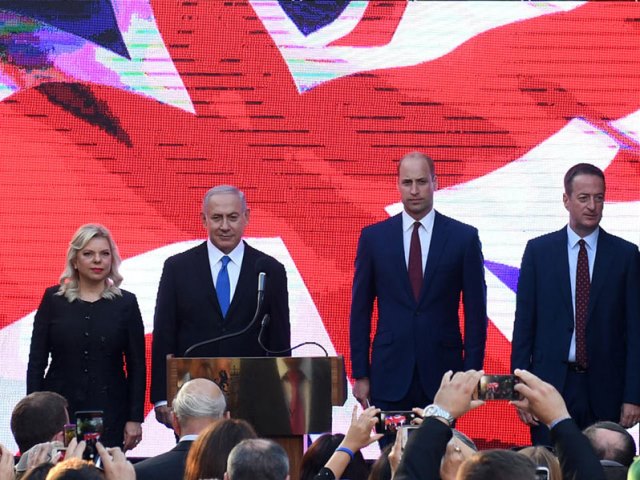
[92, 257]
[75, 469]
[459, 448]
[634, 470]
[39, 472]
[225, 216]
[257, 458]
[543, 457]
[497, 465]
[611, 442]
[381, 469]
[198, 403]
[321, 450]
[37, 418]
[208, 455]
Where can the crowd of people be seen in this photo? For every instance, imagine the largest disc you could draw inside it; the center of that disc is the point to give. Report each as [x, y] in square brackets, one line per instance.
[576, 329]
[214, 446]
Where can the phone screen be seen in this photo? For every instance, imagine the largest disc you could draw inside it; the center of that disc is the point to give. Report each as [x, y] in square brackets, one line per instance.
[498, 387]
[89, 427]
[391, 421]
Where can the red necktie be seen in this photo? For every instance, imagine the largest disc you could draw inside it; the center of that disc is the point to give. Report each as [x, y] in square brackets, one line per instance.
[296, 406]
[583, 284]
[415, 262]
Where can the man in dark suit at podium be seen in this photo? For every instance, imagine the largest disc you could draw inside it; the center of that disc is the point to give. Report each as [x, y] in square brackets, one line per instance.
[211, 291]
[198, 404]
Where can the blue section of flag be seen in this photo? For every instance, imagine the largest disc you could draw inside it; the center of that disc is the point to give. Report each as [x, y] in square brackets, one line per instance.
[507, 274]
[93, 20]
[312, 16]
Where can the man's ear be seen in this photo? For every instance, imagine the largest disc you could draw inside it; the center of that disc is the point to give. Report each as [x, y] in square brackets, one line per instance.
[227, 415]
[226, 476]
[175, 424]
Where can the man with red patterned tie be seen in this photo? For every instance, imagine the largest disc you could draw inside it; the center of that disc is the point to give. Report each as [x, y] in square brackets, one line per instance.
[577, 322]
[417, 265]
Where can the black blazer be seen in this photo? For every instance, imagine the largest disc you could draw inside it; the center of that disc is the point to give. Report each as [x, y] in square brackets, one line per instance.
[544, 319]
[88, 343]
[188, 312]
[166, 466]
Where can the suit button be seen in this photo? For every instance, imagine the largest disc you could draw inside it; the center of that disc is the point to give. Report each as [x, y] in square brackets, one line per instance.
[86, 334]
[86, 370]
[86, 353]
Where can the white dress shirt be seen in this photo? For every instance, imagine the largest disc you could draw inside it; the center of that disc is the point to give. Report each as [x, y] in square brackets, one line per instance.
[233, 267]
[591, 244]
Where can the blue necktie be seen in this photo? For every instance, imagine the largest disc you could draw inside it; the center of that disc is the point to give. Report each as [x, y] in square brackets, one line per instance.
[223, 286]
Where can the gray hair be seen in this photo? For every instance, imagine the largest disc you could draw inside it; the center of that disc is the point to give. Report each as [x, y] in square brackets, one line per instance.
[258, 458]
[192, 401]
[222, 190]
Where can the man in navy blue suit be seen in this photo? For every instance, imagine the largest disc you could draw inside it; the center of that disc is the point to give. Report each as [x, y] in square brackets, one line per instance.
[418, 265]
[581, 331]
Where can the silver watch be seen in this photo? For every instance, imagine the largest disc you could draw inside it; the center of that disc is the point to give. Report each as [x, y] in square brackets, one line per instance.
[434, 410]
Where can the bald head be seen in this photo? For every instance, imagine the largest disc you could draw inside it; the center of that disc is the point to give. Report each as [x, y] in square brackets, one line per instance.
[198, 403]
[610, 441]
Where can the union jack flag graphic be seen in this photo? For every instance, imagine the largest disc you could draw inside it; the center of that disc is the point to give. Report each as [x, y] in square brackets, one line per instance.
[124, 112]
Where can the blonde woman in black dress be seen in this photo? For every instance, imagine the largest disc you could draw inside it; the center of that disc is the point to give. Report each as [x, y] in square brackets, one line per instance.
[92, 332]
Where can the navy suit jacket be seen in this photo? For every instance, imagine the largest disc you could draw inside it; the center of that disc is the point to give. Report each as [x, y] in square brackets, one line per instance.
[166, 466]
[544, 319]
[188, 312]
[424, 333]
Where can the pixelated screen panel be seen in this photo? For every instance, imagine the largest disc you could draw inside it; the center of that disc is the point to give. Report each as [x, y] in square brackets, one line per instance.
[124, 112]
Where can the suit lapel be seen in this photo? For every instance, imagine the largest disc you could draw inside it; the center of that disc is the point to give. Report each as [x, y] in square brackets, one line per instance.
[396, 246]
[246, 279]
[202, 271]
[604, 258]
[439, 238]
[559, 257]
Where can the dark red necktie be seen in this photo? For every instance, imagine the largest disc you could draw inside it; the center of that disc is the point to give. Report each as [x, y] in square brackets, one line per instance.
[415, 262]
[296, 406]
[583, 284]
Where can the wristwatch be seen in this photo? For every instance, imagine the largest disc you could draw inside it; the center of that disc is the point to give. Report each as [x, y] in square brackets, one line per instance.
[434, 410]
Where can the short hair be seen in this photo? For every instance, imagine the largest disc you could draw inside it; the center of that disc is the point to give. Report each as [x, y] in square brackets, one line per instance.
[208, 455]
[69, 278]
[464, 439]
[580, 169]
[542, 457]
[223, 190]
[497, 465]
[381, 469]
[258, 458]
[37, 417]
[417, 154]
[75, 469]
[194, 403]
[39, 472]
[621, 451]
[319, 453]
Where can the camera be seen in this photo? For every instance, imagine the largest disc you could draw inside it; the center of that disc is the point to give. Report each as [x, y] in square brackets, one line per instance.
[498, 387]
[391, 421]
[89, 427]
[542, 473]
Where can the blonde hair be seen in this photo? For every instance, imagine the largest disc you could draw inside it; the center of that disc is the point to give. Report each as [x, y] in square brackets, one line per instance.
[544, 458]
[69, 287]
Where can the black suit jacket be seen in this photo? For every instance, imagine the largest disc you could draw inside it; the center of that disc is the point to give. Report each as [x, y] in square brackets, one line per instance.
[188, 312]
[426, 447]
[423, 333]
[87, 342]
[166, 466]
[544, 319]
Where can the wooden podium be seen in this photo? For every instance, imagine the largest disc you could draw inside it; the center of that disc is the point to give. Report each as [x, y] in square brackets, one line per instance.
[260, 390]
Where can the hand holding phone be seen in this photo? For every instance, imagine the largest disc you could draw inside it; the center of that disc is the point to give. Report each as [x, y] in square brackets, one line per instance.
[89, 427]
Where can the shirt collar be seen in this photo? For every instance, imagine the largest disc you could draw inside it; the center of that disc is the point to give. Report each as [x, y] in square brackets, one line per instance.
[591, 240]
[426, 221]
[189, 438]
[215, 254]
